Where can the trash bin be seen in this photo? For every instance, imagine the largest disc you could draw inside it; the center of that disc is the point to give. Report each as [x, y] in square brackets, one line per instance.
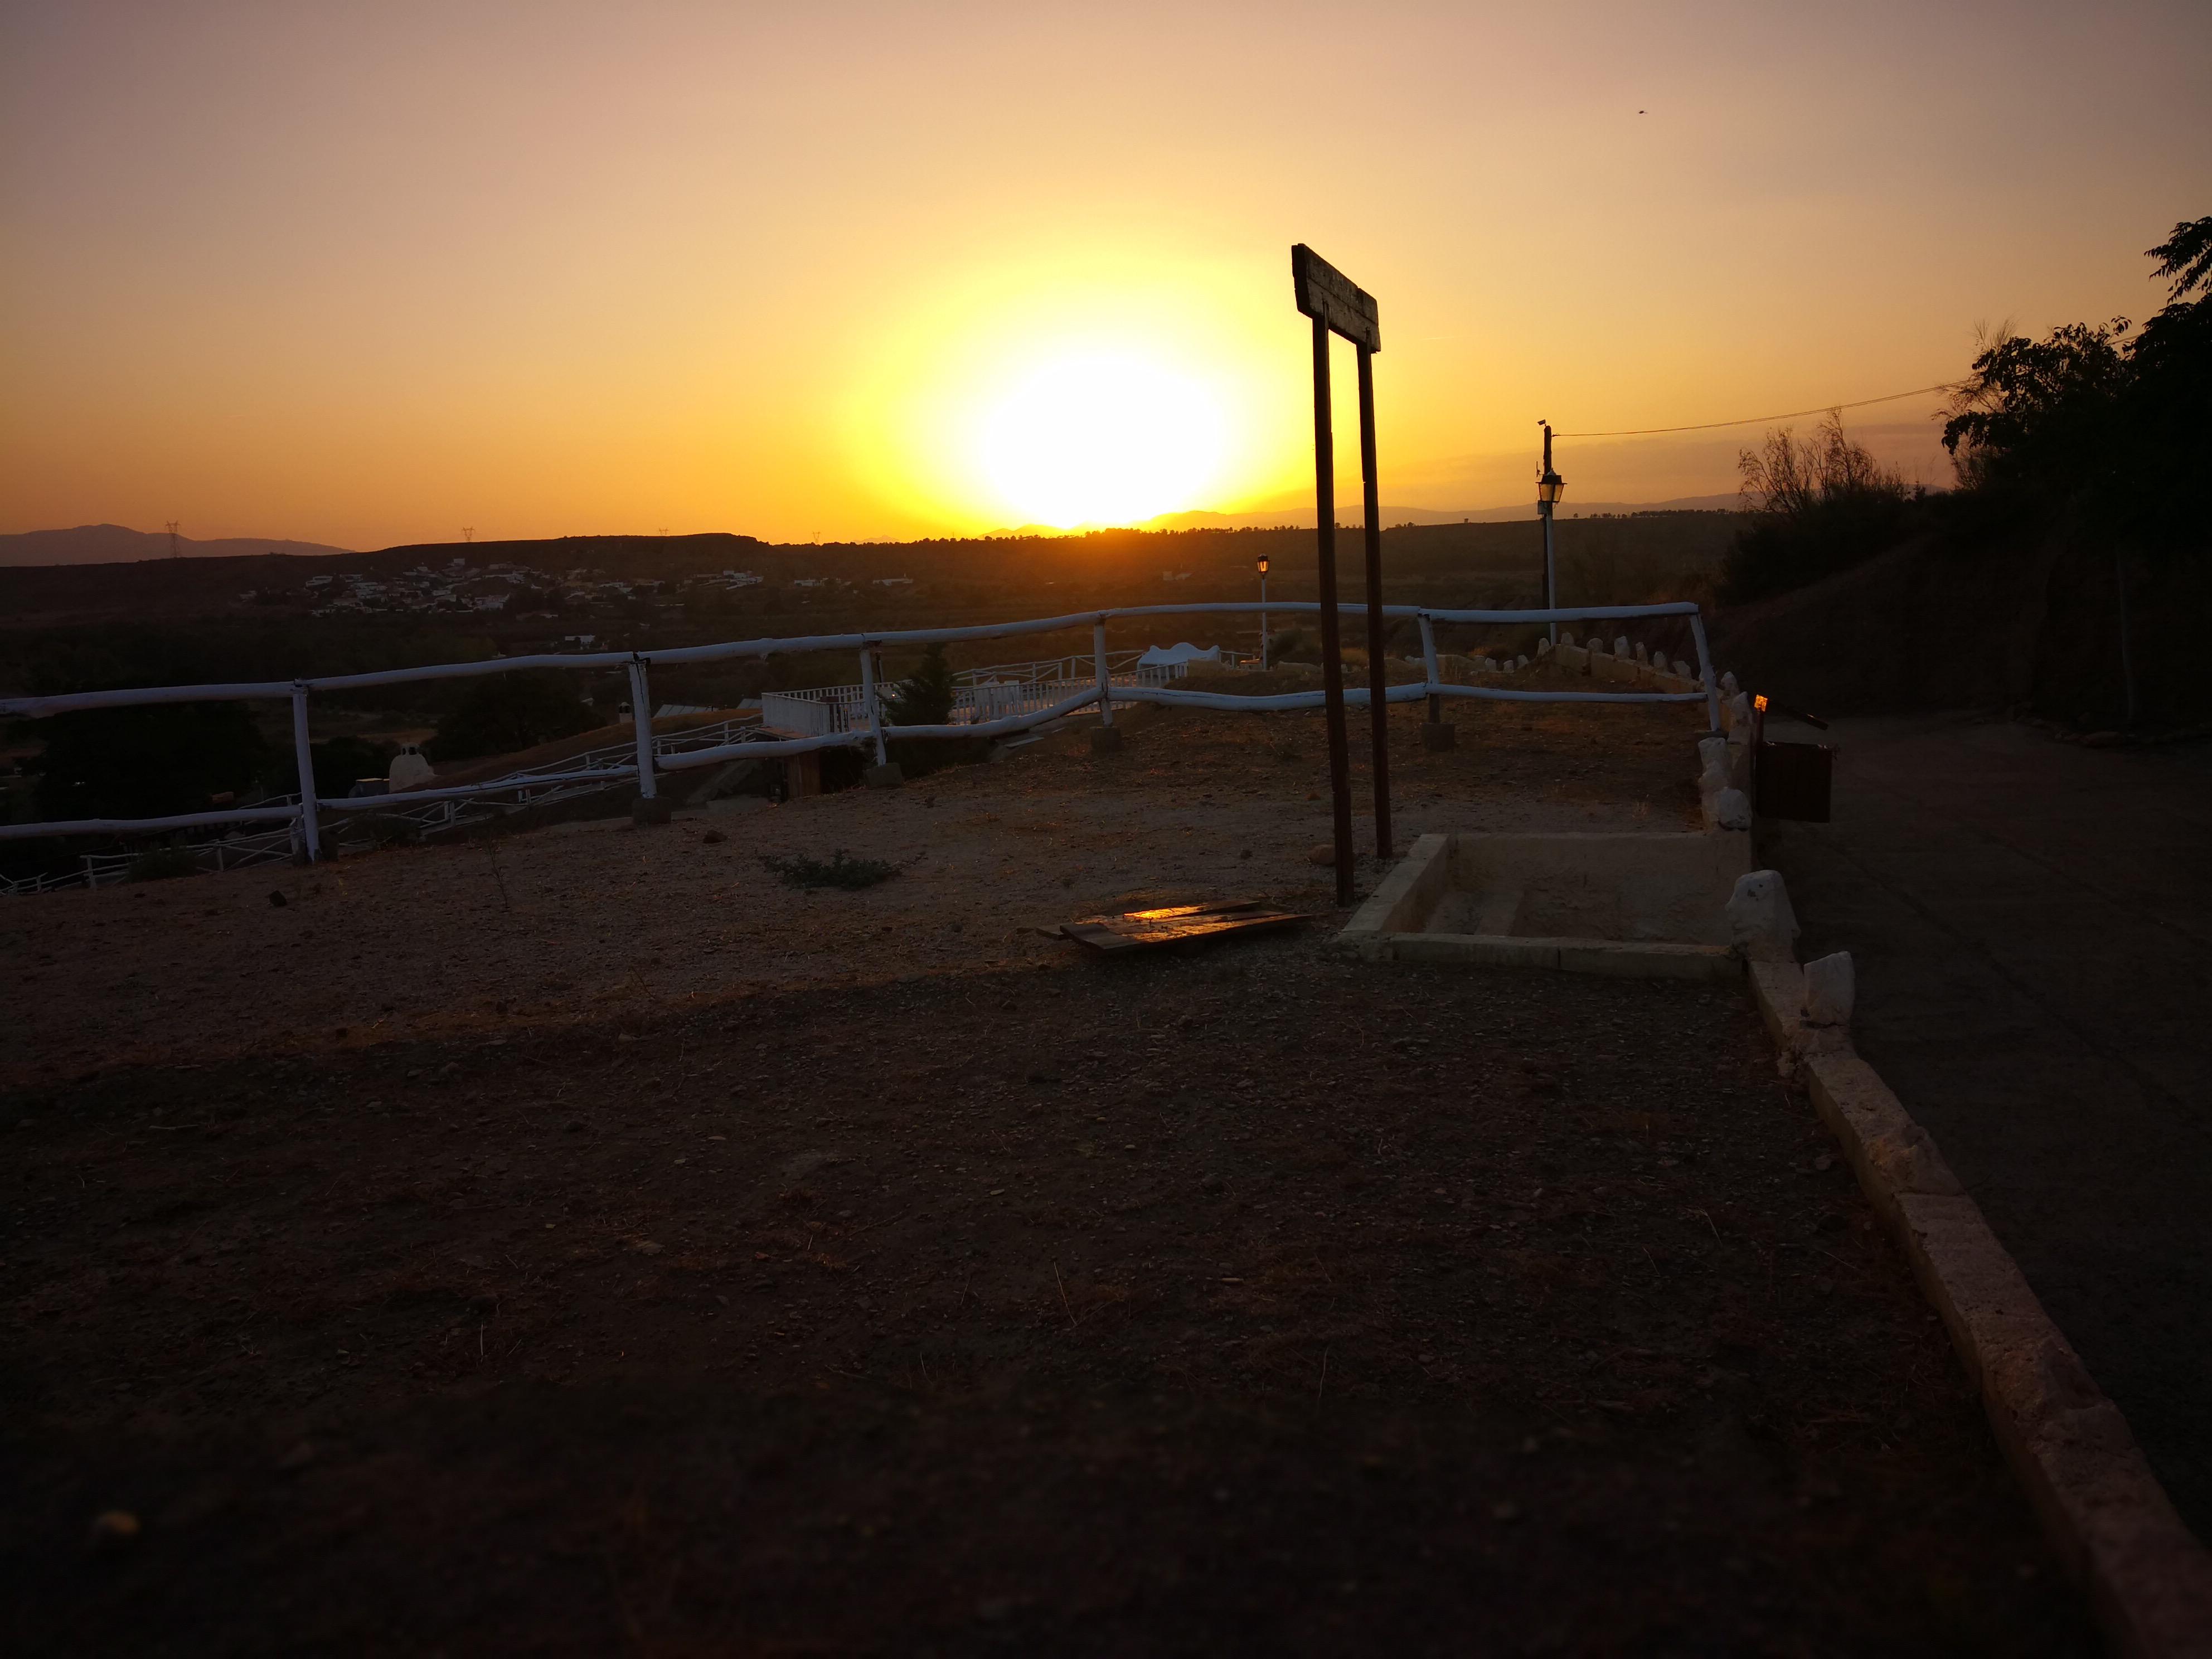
[1790, 780]
[1793, 780]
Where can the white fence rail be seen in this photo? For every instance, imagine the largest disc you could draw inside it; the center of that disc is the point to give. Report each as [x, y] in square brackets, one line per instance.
[979, 696]
[858, 723]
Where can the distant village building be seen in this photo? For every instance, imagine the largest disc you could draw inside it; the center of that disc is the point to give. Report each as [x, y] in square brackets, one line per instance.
[1174, 661]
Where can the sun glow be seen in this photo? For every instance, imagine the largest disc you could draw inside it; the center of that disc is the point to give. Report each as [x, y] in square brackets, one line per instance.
[1101, 438]
[1088, 387]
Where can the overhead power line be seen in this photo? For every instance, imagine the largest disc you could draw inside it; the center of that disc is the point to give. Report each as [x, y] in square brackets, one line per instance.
[1754, 420]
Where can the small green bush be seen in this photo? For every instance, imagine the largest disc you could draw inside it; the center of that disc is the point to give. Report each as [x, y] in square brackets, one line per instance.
[925, 696]
[840, 870]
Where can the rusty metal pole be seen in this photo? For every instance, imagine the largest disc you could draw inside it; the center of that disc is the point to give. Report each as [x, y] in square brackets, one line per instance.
[1378, 678]
[1332, 661]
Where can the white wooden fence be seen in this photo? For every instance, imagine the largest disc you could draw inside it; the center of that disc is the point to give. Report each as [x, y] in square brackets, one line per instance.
[645, 756]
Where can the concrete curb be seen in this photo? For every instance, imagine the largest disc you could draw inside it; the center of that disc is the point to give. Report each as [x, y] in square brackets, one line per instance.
[2105, 1512]
[1615, 958]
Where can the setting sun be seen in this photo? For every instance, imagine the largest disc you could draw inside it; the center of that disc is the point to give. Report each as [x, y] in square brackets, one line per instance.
[1101, 438]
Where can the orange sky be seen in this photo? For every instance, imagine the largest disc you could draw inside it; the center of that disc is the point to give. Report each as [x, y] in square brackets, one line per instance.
[367, 274]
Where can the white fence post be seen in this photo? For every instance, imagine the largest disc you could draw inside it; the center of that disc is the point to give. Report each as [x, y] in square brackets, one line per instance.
[1428, 651]
[1705, 673]
[1105, 675]
[641, 725]
[1434, 674]
[310, 837]
[873, 703]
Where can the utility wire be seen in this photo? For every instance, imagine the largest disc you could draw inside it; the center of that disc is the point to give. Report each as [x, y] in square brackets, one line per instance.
[1754, 420]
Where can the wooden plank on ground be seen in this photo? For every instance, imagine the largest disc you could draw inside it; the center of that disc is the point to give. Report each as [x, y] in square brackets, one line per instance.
[1137, 930]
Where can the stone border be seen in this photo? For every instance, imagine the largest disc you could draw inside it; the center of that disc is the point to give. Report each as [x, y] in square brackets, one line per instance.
[2112, 1523]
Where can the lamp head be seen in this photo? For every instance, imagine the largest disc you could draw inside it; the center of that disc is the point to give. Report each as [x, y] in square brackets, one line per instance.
[1550, 487]
[1263, 564]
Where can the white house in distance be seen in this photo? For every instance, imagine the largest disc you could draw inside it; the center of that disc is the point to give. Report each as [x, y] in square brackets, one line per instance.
[1177, 659]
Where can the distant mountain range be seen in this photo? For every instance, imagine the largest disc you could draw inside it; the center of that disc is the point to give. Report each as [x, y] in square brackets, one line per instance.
[113, 544]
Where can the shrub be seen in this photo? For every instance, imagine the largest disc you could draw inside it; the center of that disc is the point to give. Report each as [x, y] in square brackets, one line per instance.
[340, 763]
[840, 871]
[923, 697]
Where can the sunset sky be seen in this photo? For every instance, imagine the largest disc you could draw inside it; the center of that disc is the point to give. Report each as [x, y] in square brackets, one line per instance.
[367, 273]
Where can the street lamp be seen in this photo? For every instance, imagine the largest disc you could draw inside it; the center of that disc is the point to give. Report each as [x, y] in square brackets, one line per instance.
[1263, 613]
[1550, 486]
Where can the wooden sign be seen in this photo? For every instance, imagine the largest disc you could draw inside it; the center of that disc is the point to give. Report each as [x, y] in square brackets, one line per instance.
[1327, 294]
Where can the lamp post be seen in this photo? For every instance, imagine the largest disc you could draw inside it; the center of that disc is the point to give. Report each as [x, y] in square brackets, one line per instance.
[1263, 613]
[1549, 488]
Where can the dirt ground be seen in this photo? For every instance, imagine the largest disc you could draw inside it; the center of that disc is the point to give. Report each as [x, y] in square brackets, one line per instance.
[594, 920]
[729, 1270]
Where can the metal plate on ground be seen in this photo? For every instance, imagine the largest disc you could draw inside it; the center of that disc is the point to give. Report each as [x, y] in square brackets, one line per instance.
[1137, 930]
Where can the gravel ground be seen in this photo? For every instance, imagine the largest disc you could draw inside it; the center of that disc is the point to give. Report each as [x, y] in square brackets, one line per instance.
[901, 1281]
[593, 920]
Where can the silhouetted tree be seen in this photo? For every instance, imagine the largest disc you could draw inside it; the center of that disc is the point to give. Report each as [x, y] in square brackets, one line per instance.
[2041, 416]
[2118, 428]
[1814, 508]
[2165, 459]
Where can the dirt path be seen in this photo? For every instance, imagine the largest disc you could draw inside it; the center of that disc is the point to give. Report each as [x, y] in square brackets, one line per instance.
[2030, 921]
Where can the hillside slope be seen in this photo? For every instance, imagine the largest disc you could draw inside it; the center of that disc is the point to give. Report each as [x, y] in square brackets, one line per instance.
[2018, 621]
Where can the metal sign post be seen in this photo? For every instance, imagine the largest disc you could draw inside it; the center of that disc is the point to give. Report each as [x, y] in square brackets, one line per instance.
[1338, 305]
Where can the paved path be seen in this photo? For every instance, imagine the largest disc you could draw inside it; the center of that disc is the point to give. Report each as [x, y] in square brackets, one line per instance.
[2032, 924]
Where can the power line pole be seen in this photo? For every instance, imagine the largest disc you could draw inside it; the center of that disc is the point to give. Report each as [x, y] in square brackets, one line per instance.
[1549, 488]
[175, 552]
[468, 533]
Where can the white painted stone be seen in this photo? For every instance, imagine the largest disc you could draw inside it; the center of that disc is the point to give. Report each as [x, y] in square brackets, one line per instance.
[1642, 651]
[1597, 644]
[1758, 913]
[1620, 644]
[1728, 684]
[1490, 665]
[1732, 811]
[1830, 986]
[1521, 662]
[1543, 646]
